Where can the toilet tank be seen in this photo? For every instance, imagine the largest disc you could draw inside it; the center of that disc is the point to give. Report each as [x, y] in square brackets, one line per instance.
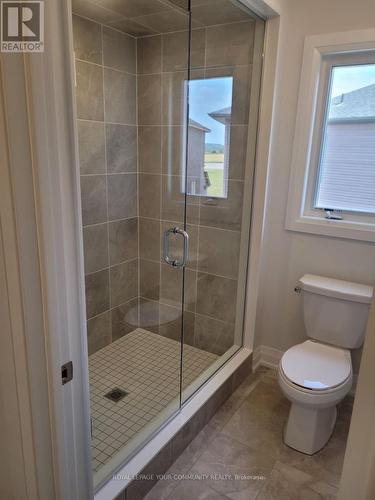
[335, 311]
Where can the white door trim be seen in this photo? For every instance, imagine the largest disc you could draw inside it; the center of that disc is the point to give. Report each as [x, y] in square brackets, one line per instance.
[359, 465]
[39, 104]
[18, 474]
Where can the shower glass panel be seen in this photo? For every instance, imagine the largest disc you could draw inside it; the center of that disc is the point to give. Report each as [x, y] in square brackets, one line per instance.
[130, 127]
[225, 63]
[163, 100]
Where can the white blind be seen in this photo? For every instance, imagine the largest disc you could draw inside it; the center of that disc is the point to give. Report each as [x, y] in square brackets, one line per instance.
[346, 178]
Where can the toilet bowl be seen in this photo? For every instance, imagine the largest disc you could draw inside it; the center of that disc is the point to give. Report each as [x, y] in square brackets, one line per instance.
[314, 377]
[317, 374]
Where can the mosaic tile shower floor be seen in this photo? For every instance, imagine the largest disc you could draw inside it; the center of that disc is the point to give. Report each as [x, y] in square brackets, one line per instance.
[147, 367]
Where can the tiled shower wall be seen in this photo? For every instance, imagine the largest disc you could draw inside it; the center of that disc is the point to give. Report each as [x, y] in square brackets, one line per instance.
[125, 208]
[105, 62]
[214, 224]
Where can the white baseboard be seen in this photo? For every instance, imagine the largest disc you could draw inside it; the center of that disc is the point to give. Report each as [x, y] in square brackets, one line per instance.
[270, 358]
[266, 356]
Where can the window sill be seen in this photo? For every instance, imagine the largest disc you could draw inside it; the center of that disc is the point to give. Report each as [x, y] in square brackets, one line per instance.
[333, 228]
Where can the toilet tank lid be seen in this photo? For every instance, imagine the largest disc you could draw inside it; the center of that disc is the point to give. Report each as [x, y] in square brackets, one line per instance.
[336, 288]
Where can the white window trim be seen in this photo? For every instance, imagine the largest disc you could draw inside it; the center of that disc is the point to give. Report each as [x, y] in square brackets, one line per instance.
[299, 218]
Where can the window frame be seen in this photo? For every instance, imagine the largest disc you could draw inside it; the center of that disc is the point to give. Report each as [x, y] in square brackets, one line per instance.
[321, 54]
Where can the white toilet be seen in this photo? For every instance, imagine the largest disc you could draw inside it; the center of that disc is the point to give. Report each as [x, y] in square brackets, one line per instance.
[317, 374]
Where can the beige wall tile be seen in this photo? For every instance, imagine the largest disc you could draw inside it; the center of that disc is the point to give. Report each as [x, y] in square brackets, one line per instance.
[149, 99]
[122, 196]
[225, 213]
[216, 297]
[149, 149]
[173, 145]
[237, 151]
[124, 319]
[87, 37]
[121, 144]
[99, 332]
[123, 240]
[174, 95]
[149, 239]
[230, 44]
[89, 91]
[94, 199]
[150, 279]
[175, 51]
[219, 252]
[173, 201]
[95, 247]
[212, 335]
[91, 144]
[124, 282]
[171, 287]
[149, 55]
[149, 195]
[120, 97]
[149, 315]
[119, 50]
[97, 293]
[171, 324]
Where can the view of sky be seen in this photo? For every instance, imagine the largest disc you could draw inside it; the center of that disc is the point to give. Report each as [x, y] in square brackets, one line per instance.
[348, 78]
[206, 96]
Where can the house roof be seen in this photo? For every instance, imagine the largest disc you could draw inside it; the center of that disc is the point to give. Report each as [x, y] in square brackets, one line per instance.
[199, 126]
[222, 115]
[358, 105]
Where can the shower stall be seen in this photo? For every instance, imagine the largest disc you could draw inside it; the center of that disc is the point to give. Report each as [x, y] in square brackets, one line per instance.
[166, 105]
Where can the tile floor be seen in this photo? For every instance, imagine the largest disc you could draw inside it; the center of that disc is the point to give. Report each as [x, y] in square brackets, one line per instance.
[147, 367]
[244, 438]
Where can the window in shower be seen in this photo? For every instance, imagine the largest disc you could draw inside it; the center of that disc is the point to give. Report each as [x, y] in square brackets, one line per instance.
[210, 111]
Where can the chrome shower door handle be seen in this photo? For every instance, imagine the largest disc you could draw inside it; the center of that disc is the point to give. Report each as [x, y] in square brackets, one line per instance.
[169, 260]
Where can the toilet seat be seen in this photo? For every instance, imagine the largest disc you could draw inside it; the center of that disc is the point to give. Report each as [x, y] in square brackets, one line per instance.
[313, 366]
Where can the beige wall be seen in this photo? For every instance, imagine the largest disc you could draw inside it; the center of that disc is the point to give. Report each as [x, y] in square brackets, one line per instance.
[288, 255]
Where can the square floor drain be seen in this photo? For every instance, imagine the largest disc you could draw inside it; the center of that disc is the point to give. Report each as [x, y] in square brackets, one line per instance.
[116, 394]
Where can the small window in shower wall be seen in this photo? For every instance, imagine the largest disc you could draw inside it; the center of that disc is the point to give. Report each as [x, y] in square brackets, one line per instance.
[208, 159]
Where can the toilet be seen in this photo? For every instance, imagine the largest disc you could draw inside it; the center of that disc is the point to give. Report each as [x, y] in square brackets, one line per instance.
[317, 374]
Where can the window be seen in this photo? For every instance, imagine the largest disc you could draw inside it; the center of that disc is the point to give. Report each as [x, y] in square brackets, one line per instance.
[346, 169]
[208, 160]
[332, 185]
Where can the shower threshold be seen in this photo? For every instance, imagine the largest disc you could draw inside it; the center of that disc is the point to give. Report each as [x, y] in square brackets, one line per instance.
[146, 366]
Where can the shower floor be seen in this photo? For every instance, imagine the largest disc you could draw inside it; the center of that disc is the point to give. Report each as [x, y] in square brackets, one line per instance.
[147, 367]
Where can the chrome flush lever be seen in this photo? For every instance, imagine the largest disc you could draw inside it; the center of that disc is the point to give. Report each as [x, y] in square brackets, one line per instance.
[175, 262]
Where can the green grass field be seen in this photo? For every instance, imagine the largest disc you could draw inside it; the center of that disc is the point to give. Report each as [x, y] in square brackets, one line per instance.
[214, 158]
[216, 177]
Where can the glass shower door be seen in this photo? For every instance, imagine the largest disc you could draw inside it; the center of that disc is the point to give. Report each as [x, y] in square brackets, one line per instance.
[163, 117]
[131, 107]
[223, 97]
